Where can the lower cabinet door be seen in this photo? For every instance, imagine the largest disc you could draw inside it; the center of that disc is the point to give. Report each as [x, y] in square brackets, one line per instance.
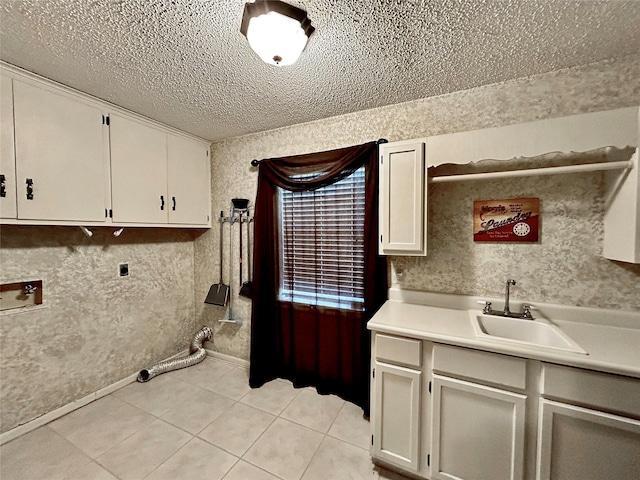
[576, 443]
[397, 415]
[478, 432]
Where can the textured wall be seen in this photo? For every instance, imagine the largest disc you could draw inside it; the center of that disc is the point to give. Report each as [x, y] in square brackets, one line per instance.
[565, 267]
[95, 328]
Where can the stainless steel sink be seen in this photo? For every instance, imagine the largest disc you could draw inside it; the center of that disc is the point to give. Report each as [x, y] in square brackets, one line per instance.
[536, 333]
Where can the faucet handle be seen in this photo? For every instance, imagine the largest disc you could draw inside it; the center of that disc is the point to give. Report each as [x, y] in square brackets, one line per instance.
[526, 311]
[487, 310]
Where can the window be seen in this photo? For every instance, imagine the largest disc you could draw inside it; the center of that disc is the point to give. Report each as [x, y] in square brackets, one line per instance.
[322, 242]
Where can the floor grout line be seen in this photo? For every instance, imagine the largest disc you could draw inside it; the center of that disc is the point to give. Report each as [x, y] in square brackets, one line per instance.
[237, 459]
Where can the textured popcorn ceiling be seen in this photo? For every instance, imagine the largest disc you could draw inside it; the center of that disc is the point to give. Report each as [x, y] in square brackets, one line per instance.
[185, 62]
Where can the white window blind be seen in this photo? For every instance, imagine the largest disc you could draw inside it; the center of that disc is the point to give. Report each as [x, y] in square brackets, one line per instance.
[322, 241]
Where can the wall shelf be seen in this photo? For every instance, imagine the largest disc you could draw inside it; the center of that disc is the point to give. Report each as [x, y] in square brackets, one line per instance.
[534, 172]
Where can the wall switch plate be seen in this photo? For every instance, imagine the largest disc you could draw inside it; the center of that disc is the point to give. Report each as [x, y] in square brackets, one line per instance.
[123, 270]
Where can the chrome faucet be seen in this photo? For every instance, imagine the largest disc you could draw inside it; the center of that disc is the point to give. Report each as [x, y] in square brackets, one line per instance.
[507, 311]
[526, 309]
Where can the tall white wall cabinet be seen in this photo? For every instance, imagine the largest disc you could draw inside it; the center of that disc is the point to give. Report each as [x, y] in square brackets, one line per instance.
[69, 159]
[403, 189]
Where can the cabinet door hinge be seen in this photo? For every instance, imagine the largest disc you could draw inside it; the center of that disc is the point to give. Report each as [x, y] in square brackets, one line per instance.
[429, 386]
[428, 460]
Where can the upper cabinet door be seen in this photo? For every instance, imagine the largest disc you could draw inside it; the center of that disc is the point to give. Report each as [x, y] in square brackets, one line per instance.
[59, 156]
[138, 172]
[403, 188]
[7, 151]
[189, 181]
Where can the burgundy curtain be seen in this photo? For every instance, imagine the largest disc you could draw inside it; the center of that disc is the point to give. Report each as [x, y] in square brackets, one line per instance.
[328, 348]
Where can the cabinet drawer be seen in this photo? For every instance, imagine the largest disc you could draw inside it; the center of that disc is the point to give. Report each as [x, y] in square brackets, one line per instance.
[593, 389]
[405, 351]
[486, 367]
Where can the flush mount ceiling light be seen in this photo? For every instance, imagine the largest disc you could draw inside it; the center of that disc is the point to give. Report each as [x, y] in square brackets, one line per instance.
[276, 31]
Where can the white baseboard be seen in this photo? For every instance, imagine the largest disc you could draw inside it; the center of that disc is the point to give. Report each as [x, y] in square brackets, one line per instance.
[103, 392]
[70, 407]
[238, 362]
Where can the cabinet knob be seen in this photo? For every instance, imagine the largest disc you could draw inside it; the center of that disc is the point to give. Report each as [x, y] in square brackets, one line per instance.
[29, 189]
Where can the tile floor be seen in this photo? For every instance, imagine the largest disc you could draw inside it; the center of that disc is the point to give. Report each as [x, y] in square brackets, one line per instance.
[202, 422]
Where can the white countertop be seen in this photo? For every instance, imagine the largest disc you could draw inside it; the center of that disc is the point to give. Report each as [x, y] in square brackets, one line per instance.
[610, 338]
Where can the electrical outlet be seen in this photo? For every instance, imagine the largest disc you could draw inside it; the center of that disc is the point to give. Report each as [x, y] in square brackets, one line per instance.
[123, 270]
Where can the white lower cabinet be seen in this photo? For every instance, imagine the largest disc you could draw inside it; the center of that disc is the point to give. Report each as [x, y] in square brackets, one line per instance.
[576, 443]
[588, 425]
[397, 413]
[396, 402]
[478, 431]
[452, 413]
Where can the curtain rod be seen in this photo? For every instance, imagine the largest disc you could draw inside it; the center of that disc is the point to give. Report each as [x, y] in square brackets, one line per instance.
[255, 163]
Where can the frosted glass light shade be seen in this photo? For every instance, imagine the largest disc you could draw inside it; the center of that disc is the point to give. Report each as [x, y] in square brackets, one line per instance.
[277, 39]
[276, 31]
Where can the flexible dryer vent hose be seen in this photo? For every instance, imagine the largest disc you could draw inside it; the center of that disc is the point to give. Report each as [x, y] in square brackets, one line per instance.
[196, 355]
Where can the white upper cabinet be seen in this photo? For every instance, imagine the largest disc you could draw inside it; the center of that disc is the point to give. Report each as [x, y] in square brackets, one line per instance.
[60, 156]
[138, 172]
[8, 207]
[69, 159]
[189, 181]
[157, 177]
[403, 190]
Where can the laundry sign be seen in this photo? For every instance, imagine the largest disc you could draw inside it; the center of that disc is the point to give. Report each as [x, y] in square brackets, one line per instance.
[508, 220]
